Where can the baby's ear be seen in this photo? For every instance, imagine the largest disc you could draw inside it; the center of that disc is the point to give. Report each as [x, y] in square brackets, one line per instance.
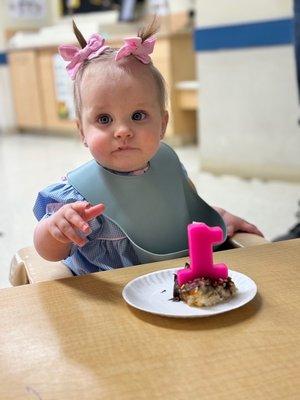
[165, 120]
[79, 127]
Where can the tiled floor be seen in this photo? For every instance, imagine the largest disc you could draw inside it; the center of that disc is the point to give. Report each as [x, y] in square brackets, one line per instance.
[28, 162]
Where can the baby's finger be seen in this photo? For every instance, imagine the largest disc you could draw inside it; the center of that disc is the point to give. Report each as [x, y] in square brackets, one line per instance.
[93, 212]
[77, 221]
[256, 231]
[230, 230]
[68, 231]
[58, 235]
[80, 206]
[250, 228]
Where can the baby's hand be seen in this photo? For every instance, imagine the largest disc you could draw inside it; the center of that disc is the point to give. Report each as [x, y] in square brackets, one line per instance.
[66, 224]
[235, 224]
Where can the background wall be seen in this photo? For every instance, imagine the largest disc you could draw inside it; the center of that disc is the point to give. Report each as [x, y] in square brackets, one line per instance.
[248, 96]
[8, 22]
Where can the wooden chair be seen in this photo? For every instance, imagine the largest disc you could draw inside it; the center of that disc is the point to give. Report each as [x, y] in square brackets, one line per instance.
[28, 267]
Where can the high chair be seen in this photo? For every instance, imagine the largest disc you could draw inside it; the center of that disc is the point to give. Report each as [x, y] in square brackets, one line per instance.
[28, 267]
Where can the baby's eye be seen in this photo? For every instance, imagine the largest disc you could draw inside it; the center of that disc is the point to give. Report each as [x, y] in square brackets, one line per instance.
[104, 119]
[138, 116]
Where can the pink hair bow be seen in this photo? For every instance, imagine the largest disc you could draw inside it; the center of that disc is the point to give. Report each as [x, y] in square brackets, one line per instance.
[77, 56]
[137, 48]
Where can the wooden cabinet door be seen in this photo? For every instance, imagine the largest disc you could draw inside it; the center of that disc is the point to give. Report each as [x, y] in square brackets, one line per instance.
[52, 119]
[26, 89]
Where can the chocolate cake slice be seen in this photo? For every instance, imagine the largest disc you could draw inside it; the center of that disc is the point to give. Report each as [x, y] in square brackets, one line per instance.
[203, 292]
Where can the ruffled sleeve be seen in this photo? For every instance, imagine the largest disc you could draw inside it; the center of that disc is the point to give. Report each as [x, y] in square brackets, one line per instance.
[53, 197]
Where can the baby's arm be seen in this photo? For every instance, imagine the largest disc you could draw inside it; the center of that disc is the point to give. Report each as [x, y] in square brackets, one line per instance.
[236, 224]
[232, 222]
[54, 236]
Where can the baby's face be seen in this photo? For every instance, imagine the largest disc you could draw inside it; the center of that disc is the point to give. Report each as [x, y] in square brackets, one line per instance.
[121, 121]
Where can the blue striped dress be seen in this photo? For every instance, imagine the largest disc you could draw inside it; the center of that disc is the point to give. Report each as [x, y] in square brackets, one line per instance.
[107, 247]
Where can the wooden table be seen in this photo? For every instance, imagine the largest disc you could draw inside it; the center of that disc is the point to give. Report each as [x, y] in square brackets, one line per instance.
[77, 339]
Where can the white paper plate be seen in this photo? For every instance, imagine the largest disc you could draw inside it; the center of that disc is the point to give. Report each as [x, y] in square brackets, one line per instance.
[152, 293]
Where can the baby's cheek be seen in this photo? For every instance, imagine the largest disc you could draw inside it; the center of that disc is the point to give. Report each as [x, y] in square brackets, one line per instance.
[99, 147]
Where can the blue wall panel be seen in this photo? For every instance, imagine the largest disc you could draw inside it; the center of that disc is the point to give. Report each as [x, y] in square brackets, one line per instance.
[265, 33]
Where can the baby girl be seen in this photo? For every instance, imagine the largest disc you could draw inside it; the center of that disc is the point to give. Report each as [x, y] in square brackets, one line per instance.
[132, 203]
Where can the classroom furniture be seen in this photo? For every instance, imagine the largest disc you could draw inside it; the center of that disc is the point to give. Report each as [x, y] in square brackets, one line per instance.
[76, 338]
[35, 99]
[27, 266]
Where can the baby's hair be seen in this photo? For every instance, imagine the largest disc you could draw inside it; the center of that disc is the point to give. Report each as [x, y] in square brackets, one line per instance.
[79, 35]
[108, 55]
[149, 30]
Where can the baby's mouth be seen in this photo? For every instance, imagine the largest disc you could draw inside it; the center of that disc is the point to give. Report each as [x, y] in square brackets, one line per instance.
[124, 148]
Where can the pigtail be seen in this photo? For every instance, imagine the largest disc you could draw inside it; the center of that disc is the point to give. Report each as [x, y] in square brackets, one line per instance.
[149, 30]
[79, 35]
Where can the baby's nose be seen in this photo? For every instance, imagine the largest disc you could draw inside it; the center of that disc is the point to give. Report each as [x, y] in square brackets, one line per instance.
[123, 132]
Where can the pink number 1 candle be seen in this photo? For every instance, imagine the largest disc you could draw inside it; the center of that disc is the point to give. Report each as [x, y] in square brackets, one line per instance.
[201, 239]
